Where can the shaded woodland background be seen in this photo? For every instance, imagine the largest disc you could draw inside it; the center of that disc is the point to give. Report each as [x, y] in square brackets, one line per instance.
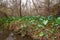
[20, 8]
[28, 7]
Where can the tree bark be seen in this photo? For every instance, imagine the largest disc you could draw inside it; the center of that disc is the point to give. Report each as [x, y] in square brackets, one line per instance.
[20, 8]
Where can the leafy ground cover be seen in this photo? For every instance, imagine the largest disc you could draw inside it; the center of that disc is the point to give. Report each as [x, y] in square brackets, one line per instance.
[34, 26]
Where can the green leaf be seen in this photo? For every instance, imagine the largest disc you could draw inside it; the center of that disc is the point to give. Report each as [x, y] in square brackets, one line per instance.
[41, 33]
[36, 28]
[50, 17]
[45, 22]
[52, 31]
[57, 20]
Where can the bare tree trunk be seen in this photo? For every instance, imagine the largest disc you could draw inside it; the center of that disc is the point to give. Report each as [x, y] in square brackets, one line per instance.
[47, 7]
[35, 6]
[20, 8]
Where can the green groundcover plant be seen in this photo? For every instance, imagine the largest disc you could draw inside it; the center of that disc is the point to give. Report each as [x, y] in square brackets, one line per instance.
[35, 26]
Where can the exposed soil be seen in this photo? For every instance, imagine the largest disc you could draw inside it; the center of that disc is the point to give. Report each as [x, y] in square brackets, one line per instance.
[6, 35]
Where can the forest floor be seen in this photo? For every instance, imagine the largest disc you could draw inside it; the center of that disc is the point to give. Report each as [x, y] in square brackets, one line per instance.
[6, 35]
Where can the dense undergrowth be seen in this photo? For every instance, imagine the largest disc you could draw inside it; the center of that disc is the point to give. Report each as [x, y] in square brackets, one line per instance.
[35, 26]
